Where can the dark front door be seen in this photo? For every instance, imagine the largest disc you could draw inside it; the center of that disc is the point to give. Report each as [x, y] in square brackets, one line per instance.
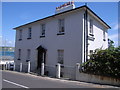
[41, 56]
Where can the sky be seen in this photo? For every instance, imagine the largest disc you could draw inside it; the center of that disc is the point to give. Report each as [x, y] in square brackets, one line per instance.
[18, 13]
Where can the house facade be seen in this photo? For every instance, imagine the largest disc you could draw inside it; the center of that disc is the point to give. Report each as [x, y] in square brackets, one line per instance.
[67, 38]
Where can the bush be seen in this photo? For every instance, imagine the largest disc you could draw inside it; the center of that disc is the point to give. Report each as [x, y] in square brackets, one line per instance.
[104, 62]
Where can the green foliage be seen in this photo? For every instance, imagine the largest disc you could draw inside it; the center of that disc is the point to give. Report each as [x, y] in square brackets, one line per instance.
[104, 62]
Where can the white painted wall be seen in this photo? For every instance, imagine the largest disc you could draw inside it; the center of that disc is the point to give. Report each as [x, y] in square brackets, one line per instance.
[71, 41]
[98, 29]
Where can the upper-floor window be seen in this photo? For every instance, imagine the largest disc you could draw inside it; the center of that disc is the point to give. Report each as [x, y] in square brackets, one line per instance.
[20, 34]
[19, 54]
[91, 52]
[42, 30]
[29, 33]
[61, 26]
[61, 56]
[91, 27]
[103, 35]
[28, 54]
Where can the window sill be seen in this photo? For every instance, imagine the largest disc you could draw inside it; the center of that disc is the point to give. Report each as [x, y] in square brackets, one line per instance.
[91, 34]
[27, 60]
[104, 40]
[28, 38]
[60, 33]
[62, 66]
[42, 36]
[18, 59]
[20, 39]
[91, 38]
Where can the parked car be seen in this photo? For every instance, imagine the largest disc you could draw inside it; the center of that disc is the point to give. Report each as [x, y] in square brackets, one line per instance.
[11, 66]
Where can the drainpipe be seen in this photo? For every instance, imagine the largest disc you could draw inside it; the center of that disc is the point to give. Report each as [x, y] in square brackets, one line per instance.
[86, 34]
[85, 37]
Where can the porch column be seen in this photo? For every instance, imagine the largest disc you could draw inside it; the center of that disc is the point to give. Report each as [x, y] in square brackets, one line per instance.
[58, 70]
[28, 66]
[20, 67]
[42, 69]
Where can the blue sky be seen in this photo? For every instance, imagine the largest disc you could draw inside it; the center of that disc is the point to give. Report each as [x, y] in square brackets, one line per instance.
[19, 13]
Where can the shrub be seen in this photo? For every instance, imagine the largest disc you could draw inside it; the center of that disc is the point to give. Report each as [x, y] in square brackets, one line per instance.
[104, 62]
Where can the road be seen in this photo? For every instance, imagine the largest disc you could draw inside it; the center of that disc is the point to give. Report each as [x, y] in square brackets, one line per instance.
[11, 79]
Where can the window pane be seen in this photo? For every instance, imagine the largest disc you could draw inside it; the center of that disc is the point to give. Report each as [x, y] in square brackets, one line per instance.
[104, 34]
[29, 33]
[61, 25]
[20, 33]
[91, 26]
[60, 56]
[19, 53]
[43, 29]
[28, 54]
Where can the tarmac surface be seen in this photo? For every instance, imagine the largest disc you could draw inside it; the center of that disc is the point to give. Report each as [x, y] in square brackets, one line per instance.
[12, 79]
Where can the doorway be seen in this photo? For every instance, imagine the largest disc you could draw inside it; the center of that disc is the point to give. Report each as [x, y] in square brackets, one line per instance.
[41, 56]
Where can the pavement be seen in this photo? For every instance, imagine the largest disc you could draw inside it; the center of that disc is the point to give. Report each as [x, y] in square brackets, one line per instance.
[12, 79]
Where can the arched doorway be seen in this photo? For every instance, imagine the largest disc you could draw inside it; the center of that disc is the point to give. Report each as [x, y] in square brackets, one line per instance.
[41, 56]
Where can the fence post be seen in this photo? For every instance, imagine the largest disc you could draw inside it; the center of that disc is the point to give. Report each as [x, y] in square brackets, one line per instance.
[20, 67]
[77, 70]
[6, 66]
[58, 70]
[14, 67]
[42, 69]
[28, 66]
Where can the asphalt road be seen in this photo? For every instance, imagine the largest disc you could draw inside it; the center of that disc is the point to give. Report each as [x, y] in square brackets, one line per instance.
[11, 79]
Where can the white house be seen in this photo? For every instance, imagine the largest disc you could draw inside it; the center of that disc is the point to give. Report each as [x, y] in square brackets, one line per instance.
[67, 37]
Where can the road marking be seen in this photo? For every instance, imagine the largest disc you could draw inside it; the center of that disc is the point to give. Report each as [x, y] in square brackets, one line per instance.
[15, 83]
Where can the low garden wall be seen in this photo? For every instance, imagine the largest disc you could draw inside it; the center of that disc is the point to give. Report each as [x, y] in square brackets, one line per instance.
[96, 78]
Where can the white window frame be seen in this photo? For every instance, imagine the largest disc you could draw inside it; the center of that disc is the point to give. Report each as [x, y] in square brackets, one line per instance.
[61, 23]
[91, 27]
[19, 53]
[104, 36]
[61, 56]
[43, 29]
[29, 33]
[91, 52]
[28, 54]
[20, 34]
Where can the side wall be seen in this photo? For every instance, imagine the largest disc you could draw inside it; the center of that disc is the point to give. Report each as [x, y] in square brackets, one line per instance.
[98, 30]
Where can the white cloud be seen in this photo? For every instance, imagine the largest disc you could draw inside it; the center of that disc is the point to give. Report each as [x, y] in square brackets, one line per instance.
[116, 27]
[114, 36]
[7, 42]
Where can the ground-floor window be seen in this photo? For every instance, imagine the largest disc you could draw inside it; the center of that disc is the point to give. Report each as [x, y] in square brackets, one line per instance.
[28, 54]
[60, 56]
[19, 54]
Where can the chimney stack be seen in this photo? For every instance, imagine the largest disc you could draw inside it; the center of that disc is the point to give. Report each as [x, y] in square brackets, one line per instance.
[65, 7]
